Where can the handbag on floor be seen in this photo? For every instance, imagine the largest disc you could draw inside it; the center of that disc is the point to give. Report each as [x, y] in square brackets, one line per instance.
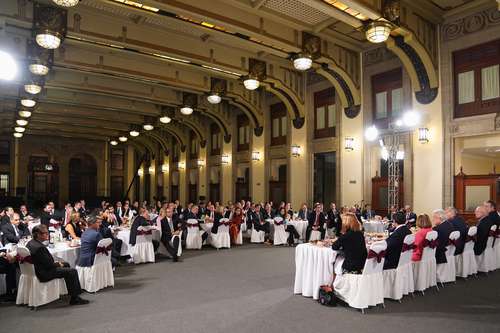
[327, 296]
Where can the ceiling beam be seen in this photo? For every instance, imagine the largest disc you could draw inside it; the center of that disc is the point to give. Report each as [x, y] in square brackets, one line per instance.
[332, 11]
[325, 24]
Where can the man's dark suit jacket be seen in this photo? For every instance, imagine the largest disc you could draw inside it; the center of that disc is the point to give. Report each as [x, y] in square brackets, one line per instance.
[444, 230]
[139, 221]
[9, 234]
[394, 247]
[45, 267]
[483, 232]
[215, 227]
[321, 220]
[303, 214]
[460, 225]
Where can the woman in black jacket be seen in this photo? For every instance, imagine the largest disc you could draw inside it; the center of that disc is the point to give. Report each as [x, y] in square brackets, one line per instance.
[352, 244]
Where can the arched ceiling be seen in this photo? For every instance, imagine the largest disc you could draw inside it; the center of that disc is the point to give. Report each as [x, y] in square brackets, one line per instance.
[121, 62]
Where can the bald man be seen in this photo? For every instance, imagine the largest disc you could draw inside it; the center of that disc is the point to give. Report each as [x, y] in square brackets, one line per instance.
[483, 230]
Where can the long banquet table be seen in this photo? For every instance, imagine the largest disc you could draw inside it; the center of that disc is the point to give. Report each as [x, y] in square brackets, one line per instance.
[65, 252]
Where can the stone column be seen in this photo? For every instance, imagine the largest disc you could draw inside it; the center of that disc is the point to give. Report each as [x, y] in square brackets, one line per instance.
[258, 169]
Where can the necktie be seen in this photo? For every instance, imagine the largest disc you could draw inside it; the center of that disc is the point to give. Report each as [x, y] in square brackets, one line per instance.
[16, 231]
[170, 224]
[316, 222]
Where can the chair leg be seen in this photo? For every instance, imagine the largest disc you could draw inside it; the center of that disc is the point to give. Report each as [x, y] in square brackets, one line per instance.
[412, 295]
[399, 300]
[437, 288]
[423, 294]
[363, 311]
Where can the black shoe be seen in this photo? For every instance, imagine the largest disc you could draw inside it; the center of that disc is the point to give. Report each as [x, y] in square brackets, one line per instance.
[177, 259]
[78, 301]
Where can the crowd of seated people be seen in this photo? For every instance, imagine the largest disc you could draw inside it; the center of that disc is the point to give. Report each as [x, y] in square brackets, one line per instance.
[343, 224]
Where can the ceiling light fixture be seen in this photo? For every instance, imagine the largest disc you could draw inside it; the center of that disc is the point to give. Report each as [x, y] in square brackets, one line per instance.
[134, 133]
[148, 127]
[24, 114]
[302, 62]
[29, 103]
[113, 142]
[49, 24]
[378, 31]
[32, 88]
[66, 3]
[214, 98]
[186, 110]
[22, 122]
[18, 135]
[165, 119]
[19, 129]
[123, 139]
[251, 83]
[38, 69]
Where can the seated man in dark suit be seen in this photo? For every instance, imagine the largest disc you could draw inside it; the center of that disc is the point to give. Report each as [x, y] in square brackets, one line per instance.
[316, 222]
[395, 241]
[141, 220]
[303, 212]
[89, 240]
[168, 230]
[491, 210]
[260, 224]
[460, 225]
[12, 233]
[483, 230]
[411, 217]
[444, 228]
[46, 269]
[368, 213]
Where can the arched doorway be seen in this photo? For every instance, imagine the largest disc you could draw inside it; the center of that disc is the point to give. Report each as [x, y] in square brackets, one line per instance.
[82, 178]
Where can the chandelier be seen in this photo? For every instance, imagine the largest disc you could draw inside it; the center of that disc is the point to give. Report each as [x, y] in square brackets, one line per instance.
[378, 31]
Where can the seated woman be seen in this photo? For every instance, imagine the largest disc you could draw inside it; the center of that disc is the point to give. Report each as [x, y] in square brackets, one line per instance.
[74, 227]
[424, 225]
[236, 221]
[292, 232]
[352, 244]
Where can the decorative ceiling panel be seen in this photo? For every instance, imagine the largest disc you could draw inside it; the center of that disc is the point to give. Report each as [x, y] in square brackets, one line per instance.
[297, 11]
[450, 4]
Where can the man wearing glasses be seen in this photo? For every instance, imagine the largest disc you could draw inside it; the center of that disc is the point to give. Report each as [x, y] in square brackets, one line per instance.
[47, 269]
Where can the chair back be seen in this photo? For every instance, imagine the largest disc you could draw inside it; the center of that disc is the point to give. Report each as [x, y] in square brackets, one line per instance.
[271, 221]
[430, 245]
[492, 235]
[452, 244]
[25, 264]
[144, 234]
[192, 226]
[407, 250]
[470, 239]
[375, 260]
[103, 251]
[278, 220]
[224, 225]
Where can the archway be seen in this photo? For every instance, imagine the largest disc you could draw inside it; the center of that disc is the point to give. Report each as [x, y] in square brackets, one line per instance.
[82, 178]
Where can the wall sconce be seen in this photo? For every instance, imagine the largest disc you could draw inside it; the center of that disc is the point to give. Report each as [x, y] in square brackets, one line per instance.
[225, 159]
[200, 162]
[181, 165]
[151, 170]
[140, 172]
[423, 135]
[256, 156]
[296, 150]
[349, 143]
[164, 168]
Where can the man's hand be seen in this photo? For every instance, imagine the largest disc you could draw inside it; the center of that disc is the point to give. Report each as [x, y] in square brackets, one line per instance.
[10, 258]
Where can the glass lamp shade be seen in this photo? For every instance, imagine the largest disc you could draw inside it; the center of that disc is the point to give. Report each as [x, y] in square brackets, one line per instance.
[151, 169]
[186, 110]
[66, 3]
[164, 168]
[140, 172]
[165, 120]
[349, 144]
[39, 69]
[214, 99]
[256, 156]
[18, 135]
[123, 139]
[378, 32]
[48, 40]
[296, 150]
[200, 162]
[302, 63]
[22, 122]
[225, 159]
[32, 88]
[134, 133]
[8, 66]
[251, 84]
[113, 142]
[24, 114]
[148, 127]
[29, 103]
[19, 129]
[423, 135]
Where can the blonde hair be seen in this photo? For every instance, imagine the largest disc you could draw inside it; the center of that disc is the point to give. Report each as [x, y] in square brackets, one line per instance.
[423, 221]
[350, 222]
[75, 217]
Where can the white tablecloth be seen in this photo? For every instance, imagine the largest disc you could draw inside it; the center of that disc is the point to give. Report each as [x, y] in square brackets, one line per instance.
[374, 226]
[313, 268]
[207, 227]
[301, 227]
[65, 252]
[124, 235]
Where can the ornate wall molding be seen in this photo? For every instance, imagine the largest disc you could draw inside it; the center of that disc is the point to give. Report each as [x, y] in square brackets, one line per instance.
[470, 24]
[376, 56]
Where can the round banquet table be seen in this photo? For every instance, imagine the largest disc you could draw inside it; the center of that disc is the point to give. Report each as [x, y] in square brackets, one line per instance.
[374, 226]
[124, 235]
[313, 268]
[65, 252]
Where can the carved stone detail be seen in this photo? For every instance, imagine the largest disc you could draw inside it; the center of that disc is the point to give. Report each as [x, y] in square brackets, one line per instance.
[376, 56]
[470, 24]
